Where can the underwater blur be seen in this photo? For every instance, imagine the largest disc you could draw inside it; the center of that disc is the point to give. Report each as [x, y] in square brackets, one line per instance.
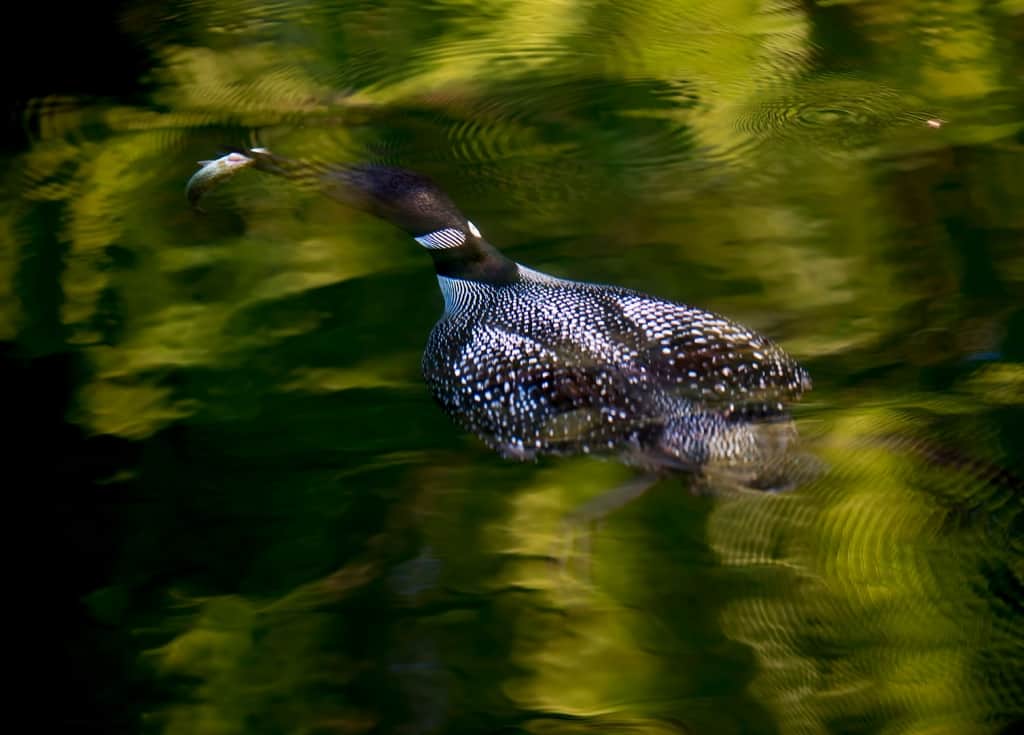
[262, 521]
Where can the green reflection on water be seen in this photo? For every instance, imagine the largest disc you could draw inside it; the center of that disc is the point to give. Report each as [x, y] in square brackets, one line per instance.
[302, 543]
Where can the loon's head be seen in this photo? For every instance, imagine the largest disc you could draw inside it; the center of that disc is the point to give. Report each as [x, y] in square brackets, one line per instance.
[410, 201]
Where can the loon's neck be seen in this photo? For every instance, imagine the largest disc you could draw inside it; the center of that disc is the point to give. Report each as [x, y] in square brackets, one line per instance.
[475, 260]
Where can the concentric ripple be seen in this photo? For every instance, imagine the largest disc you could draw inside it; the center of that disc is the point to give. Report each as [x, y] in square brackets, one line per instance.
[903, 528]
[835, 114]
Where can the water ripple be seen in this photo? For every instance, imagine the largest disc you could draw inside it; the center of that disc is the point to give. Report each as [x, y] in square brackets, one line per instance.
[836, 115]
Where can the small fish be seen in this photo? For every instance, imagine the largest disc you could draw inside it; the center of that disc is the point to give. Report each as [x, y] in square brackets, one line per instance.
[211, 173]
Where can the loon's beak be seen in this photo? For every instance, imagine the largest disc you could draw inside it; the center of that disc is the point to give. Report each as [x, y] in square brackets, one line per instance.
[335, 181]
[341, 183]
[271, 163]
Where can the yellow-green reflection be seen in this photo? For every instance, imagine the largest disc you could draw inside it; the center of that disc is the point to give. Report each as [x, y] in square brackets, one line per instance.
[307, 545]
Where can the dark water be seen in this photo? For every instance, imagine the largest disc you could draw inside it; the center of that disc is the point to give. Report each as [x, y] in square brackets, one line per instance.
[262, 523]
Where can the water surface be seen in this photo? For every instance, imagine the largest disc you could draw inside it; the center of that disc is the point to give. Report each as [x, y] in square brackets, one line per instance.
[267, 526]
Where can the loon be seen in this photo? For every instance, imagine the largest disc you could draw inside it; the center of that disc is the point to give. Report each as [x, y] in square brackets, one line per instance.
[538, 365]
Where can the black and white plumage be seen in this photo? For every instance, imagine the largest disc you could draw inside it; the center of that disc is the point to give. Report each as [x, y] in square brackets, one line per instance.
[535, 365]
[542, 365]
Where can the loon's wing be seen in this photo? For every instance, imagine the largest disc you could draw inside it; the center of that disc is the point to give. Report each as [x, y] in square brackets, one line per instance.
[709, 358]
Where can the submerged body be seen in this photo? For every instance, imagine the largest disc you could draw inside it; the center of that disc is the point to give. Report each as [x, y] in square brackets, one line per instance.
[535, 365]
